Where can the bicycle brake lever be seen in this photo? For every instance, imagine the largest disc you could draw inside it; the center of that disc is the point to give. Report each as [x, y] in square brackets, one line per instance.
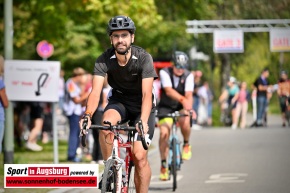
[142, 136]
[190, 118]
[83, 132]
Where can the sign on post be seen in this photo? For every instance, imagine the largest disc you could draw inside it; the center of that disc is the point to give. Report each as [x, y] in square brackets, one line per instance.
[280, 40]
[28, 80]
[228, 41]
[44, 49]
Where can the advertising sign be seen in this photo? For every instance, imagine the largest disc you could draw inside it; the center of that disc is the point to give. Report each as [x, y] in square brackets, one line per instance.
[28, 80]
[228, 41]
[51, 175]
[280, 40]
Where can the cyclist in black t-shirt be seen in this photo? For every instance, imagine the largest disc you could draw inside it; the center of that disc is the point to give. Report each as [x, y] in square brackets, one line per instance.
[130, 73]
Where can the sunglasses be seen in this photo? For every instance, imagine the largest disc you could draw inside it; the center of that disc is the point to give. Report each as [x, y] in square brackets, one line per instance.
[180, 67]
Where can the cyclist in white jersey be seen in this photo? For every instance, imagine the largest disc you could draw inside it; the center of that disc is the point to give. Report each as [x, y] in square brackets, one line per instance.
[176, 95]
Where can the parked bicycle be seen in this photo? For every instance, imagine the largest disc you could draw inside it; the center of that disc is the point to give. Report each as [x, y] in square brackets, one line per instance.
[118, 176]
[174, 155]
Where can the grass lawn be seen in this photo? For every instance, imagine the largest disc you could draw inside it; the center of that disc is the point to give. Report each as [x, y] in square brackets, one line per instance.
[23, 156]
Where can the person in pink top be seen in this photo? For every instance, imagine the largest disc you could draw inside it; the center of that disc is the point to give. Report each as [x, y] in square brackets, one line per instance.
[242, 106]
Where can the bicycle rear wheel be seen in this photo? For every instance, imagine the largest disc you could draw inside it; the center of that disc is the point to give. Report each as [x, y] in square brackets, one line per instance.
[174, 163]
[131, 183]
[109, 181]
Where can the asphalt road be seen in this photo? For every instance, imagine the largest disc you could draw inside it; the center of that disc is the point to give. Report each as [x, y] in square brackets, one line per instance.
[228, 161]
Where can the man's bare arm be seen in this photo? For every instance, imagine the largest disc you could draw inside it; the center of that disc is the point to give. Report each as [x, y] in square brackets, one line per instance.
[147, 85]
[94, 96]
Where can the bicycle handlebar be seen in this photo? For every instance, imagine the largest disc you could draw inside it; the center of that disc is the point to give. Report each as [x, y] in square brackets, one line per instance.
[113, 128]
[176, 114]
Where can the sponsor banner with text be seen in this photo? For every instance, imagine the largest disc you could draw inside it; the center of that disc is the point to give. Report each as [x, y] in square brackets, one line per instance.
[280, 40]
[51, 175]
[228, 41]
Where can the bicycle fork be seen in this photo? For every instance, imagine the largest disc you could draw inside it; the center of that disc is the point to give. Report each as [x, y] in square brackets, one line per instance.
[122, 167]
[118, 163]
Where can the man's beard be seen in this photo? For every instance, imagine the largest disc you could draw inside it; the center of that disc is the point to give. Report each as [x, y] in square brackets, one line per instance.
[122, 52]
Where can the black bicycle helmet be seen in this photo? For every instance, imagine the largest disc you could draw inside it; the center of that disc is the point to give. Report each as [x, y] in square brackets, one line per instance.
[180, 59]
[121, 23]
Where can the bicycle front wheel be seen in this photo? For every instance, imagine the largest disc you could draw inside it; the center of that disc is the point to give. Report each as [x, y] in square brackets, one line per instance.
[131, 183]
[174, 163]
[109, 181]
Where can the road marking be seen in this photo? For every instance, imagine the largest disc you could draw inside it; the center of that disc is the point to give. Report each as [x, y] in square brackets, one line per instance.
[155, 180]
[226, 178]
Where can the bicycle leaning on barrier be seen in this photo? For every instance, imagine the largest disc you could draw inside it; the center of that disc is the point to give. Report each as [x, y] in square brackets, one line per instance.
[174, 160]
[118, 176]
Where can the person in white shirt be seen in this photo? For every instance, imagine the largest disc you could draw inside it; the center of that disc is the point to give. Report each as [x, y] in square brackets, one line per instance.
[176, 95]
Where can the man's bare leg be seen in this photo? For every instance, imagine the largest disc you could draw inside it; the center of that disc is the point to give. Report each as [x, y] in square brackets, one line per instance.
[163, 141]
[185, 127]
[142, 168]
[105, 141]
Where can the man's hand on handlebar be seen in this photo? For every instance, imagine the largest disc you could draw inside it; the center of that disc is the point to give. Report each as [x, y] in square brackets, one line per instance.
[193, 114]
[145, 128]
[85, 124]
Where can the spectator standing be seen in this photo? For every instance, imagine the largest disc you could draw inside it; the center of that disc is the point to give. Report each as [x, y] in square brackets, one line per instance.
[3, 101]
[21, 122]
[210, 97]
[61, 90]
[203, 104]
[36, 123]
[74, 97]
[97, 119]
[47, 123]
[94, 145]
[283, 94]
[197, 84]
[242, 106]
[263, 87]
[230, 94]
[157, 87]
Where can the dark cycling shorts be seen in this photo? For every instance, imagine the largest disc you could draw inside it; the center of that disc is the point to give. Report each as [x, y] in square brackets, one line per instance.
[233, 106]
[132, 117]
[282, 101]
[36, 111]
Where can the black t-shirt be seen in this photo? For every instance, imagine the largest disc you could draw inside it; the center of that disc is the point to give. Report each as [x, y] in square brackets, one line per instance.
[126, 81]
[260, 81]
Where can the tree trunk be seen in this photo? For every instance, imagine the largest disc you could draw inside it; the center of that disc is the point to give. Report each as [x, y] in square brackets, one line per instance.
[225, 69]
